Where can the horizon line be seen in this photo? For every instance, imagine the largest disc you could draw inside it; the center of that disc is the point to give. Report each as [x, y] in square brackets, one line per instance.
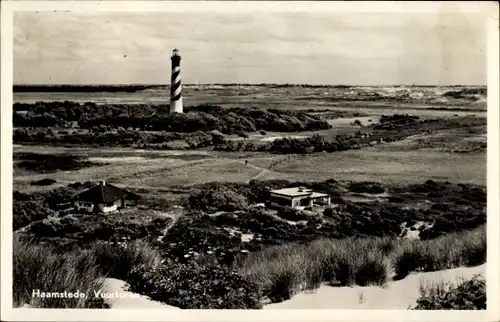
[248, 84]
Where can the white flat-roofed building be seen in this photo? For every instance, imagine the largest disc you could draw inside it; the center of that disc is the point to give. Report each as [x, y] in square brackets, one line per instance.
[298, 198]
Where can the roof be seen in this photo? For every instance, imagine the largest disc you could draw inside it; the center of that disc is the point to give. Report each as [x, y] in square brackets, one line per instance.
[103, 193]
[293, 192]
[319, 195]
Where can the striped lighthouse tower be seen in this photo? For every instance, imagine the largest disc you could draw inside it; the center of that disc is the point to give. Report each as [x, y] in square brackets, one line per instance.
[176, 87]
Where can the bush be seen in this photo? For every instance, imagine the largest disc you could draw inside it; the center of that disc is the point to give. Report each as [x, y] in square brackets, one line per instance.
[366, 187]
[329, 212]
[292, 214]
[26, 212]
[215, 197]
[46, 163]
[43, 182]
[243, 135]
[466, 295]
[191, 286]
[37, 267]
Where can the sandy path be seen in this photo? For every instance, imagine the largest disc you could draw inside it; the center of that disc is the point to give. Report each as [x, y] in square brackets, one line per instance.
[123, 299]
[397, 295]
[262, 172]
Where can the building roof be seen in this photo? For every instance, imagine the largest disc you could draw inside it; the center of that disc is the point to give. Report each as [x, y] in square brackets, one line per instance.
[319, 195]
[103, 193]
[293, 192]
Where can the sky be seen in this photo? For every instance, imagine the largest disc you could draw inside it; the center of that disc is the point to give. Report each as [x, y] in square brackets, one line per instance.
[289, 47]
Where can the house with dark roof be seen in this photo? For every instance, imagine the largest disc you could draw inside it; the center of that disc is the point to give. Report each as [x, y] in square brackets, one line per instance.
[103, 198]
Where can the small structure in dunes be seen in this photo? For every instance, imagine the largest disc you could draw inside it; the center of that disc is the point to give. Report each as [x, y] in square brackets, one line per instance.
[103, 198]
[298, 198]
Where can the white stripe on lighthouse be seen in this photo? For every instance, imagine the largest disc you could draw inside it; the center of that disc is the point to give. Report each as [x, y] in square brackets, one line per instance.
[177, 79]
[176, 69]
[178, 91]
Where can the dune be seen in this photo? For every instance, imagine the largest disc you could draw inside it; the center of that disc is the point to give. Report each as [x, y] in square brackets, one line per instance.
[398, 295]
[118, 297]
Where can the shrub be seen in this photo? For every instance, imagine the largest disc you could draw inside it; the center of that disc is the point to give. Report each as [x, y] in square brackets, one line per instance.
[45, 163]
[37, 267]
[292, 214]
[43, 182]
[25, 212]
[191, 286]
[466, 295]
[243, 135]
[215, 197]
[329, 212]
[366, 187]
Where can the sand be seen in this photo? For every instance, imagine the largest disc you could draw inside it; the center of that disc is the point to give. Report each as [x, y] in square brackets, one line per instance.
[129, 300]
[399, 295]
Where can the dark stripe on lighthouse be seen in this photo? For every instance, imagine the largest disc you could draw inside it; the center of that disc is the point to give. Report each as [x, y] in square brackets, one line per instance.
[175, 75]
[175, 88]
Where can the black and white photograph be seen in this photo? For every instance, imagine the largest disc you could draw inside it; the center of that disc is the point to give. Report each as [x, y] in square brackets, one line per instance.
[249, 156]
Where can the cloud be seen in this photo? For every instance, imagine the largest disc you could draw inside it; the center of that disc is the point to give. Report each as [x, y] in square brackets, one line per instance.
[69, 47]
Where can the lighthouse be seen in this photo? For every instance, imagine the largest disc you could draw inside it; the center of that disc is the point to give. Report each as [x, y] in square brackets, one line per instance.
[176, 87]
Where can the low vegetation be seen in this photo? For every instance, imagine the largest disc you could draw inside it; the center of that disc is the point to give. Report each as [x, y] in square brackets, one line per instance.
[195, 286]
[266, 253]
[465, 295]
[38, 267]
[156, 118]
[388, 129]
[49, 163]
[467, 93]
[31, 207]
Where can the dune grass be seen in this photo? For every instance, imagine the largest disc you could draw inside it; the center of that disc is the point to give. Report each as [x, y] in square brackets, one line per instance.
[467, 248]
[117, 260]
[37, 267]
[282, 271]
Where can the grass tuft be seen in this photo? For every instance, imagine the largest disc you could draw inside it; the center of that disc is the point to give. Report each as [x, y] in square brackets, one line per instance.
[466, 248]
[37, 267]
[117, 260]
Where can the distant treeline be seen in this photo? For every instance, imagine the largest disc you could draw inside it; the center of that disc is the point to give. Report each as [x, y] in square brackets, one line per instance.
[82, 88]
[115, 88]
[156, 118]
[139, 87]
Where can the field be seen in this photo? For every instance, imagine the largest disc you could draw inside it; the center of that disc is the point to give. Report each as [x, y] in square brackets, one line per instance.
[405, 166]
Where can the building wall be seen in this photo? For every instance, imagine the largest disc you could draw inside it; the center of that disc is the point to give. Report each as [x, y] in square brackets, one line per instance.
[110, 207]
[300, 202]
[85, 206]
[89, 207]
[130, 203]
